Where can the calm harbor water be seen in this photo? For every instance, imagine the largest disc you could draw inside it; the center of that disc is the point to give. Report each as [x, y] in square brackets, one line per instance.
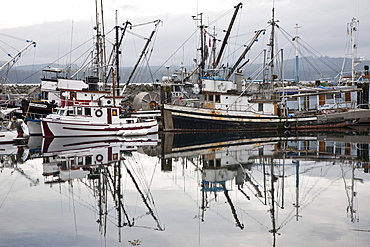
[253, 189]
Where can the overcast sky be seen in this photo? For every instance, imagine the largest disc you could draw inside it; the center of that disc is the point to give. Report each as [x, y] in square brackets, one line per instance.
[59, 26]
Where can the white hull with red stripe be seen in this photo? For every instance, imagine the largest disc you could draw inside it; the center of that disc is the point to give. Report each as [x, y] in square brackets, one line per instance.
[94, 121]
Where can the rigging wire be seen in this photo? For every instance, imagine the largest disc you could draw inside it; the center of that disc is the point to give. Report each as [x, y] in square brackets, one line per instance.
[38, 71]
[311, 51]
[10, 189]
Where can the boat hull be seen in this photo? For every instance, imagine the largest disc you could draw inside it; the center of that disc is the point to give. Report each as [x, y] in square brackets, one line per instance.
[34, 126]
[8, 136]
[180, 118]
[54, 128]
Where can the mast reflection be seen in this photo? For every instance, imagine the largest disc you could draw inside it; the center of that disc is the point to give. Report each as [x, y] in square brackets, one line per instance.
[266, 167]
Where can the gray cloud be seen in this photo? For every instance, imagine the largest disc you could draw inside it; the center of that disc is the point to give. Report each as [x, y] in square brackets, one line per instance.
[323, 28]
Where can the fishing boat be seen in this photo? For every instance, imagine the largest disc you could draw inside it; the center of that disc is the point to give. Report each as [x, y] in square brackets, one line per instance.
[98, 85]
[94, 113]
[243, 104]
[94, 121]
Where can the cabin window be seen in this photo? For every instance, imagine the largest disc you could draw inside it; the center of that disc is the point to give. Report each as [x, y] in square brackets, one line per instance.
[88, 160]
[218, 162]
[79, 110]
[80, 161]
[329, 96]
[321, 99]
[218, 99]
[70, 112]
[329, 149]
[114, 112]
[260, 106]
[88, 111]
[347, 97]
[211, 163]
[45, 95]
[338, 95]
[210, 97]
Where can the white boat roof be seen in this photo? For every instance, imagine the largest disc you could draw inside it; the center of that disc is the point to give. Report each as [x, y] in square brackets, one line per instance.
[56, 70]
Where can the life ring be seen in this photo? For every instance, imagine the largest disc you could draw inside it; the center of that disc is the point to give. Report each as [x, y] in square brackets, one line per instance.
[221, 86]
[286, 133]
[98, 113]
[287, 125]
[99, 158]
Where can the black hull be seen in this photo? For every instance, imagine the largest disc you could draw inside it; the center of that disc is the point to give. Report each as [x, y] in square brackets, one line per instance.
[186, 121]
[37, 107]
[197, 124]
[200, 125]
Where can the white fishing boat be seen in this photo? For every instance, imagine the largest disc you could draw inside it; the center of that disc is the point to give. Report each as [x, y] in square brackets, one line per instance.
[97, 85]
[94, 121]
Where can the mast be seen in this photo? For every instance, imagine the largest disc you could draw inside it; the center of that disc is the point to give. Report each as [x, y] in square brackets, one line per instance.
[202, 55]
[272, 45]
[353, 25]
[242, 56]
[14, 59]
[237, 221]
[296, 79]
[274, 230]
[117, 58]
[100, 56]
[296, 205]
[352, 28]
[237, 7]
[142, 53]
[144, 198]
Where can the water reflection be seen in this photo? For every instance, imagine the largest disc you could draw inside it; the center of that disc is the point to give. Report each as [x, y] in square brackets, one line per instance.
[102, 161]
[270, 189]
[263, 167]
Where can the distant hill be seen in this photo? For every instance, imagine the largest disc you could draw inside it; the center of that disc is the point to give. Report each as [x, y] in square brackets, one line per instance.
[310, 68]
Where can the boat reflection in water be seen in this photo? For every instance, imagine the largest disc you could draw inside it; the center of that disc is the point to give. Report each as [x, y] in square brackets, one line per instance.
[284, 173]
[99, 163]
[203, 189]
[70, 158]
[13, 157]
